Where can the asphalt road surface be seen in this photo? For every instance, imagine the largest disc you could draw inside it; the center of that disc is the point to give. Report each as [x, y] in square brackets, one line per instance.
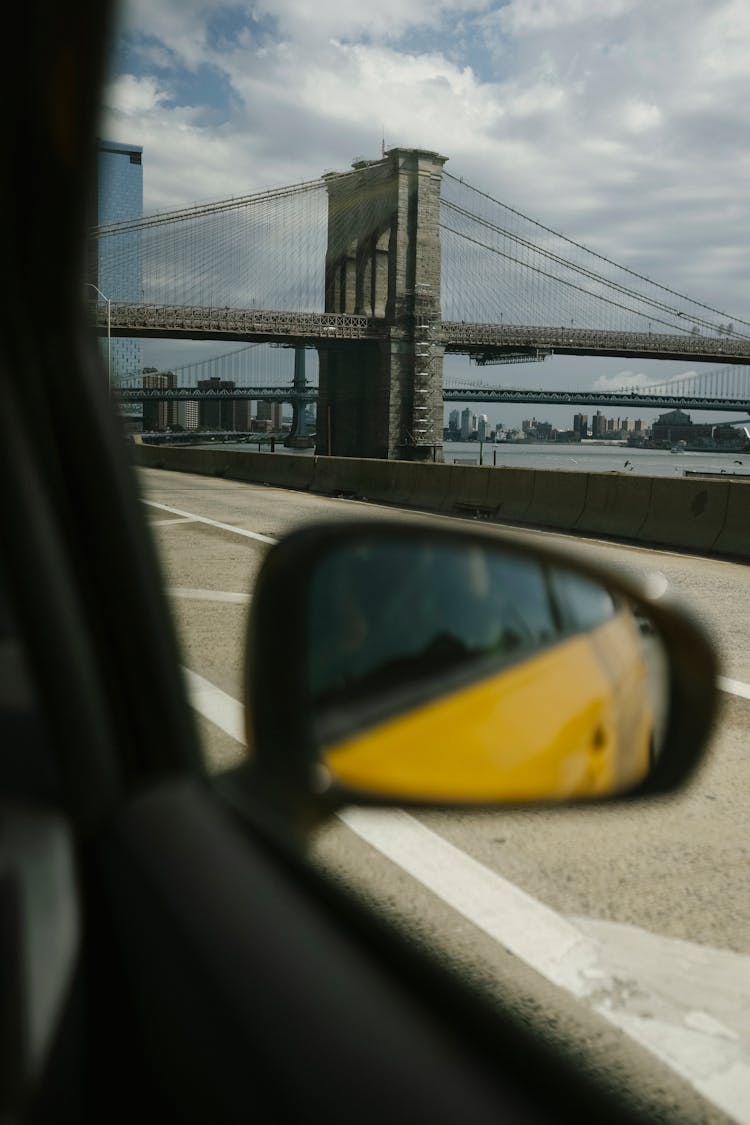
[623, 930]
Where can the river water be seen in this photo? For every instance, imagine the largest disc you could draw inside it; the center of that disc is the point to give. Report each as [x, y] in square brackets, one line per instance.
[590, 458]
[583, 458]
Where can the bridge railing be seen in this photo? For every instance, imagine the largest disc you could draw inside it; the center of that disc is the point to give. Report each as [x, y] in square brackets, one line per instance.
[457, 334]
[140, 317]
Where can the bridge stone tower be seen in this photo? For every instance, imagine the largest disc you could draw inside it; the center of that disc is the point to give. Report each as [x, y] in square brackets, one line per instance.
[384, 398]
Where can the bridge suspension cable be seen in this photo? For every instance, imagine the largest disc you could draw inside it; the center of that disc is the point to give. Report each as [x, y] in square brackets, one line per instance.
[198, 210]
[534, 249]
[265, 250]
[730, 382]
[252, 365]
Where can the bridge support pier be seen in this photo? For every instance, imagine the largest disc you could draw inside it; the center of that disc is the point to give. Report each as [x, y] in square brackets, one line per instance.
[384, 399]
[299, 437]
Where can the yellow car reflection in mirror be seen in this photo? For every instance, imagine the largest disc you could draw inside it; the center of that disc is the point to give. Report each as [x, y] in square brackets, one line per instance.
[573, 721]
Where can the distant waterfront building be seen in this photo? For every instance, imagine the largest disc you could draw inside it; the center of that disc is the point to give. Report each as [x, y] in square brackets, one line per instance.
[187, 414]
[673, 426]
[271, 412]
[483, 427]
[158, 415]
[598, 425]
[118, 272]
[676, 426]
[223, 413]
[241, 415]
[468, 424]
[581, 425]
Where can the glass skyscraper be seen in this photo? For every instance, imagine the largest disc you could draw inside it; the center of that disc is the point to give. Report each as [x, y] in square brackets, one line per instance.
[119, 196]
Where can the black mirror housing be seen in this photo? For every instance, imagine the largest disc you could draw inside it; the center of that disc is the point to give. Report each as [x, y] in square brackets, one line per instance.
[417, 664]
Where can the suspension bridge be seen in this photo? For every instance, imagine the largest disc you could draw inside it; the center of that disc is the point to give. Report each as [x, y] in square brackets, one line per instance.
[384, 269]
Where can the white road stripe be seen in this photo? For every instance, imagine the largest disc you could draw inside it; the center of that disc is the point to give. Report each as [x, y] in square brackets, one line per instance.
[525, 926]
[734, 687]
[208, 595]
[177, 519]
[671, 1020]
[213, 523]
[216, 705]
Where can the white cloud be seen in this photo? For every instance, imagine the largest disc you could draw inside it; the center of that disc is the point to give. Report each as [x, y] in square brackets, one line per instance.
[521, 17]
[639, 116]
[422, 100]
[134, 98]
[631, 380]
[179, 25]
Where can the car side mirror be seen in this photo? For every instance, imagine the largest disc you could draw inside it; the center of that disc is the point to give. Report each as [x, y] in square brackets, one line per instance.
[415, 664]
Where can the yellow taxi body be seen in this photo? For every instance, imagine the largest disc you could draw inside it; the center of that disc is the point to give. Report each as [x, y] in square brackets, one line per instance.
[573, 720]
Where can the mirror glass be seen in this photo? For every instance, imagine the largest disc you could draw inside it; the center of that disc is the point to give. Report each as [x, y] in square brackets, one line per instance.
[442, 669]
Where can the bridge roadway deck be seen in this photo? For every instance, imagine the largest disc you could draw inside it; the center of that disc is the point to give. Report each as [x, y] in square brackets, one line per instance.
[317, 329]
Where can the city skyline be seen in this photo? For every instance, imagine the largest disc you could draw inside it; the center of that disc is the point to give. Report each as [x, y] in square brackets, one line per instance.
[467, 422]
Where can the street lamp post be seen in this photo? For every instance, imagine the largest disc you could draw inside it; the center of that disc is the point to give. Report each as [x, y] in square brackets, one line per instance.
[108, 301]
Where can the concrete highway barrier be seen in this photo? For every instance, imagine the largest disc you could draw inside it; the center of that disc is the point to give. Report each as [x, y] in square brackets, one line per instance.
[509, 493]
[617, 504]
[334, 477]
[428, 487]
[558, 499]
[734, 537]
[693, 514]
[467, 490]
[686, 513]
[282, 470]
[402, 482]
[371, 479]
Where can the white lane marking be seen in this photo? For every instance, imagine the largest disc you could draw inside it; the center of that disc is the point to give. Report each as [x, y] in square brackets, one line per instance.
[734, 687]
[177, 519]
[525, 926]
[216, 705]
[693, 1042]
[208, 595]
[658, 994]
[682, 999]
[213, 523]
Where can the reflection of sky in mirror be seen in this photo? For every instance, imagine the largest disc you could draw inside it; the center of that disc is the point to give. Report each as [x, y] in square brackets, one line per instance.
[384, 605]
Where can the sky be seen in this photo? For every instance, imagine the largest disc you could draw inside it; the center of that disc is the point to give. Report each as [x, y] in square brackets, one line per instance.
[620, 123]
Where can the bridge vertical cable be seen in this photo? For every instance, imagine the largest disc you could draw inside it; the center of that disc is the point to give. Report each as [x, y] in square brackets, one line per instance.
[264, 251]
